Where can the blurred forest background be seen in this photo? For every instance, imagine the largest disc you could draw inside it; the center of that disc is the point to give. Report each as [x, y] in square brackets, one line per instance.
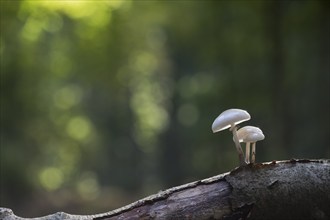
[106, 102]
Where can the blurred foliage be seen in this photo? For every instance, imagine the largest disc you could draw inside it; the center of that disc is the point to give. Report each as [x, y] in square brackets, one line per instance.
[105, 102]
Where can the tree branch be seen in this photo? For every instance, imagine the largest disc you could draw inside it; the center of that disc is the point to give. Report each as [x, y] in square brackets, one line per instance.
[295, 189]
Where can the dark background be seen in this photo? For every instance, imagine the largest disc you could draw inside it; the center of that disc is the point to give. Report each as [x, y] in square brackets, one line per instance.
[106, 102]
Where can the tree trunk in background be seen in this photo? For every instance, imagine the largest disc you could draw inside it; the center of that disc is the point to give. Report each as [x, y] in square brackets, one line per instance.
[323, 79]
[279, 89]
[295, 189]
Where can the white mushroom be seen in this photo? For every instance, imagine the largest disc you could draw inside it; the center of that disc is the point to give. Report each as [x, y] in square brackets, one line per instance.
[249, 134]
[255, 137]
[229, 119]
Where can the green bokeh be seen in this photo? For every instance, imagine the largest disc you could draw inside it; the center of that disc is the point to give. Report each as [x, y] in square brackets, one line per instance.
[105, 102]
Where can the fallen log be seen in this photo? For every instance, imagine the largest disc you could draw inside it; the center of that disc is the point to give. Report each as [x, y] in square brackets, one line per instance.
[293, 189]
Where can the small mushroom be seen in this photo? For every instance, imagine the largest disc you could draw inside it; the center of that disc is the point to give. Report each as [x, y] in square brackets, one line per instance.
[229, 119]
[249, 134]
[255, 137]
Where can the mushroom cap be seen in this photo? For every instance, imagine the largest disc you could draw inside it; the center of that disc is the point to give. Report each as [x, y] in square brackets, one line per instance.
[229, 117]
[250, 134]
[252, 138]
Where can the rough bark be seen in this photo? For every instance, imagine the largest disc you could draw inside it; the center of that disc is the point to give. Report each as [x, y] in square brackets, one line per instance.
[295, 189]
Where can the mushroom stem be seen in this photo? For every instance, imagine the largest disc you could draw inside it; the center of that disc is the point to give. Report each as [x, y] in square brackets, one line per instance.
[253, 159]
[247, 152]
[237, 144]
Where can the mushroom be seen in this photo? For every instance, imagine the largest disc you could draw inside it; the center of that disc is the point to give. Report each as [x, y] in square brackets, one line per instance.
[256, 137]
[229, 119]
[250, 134]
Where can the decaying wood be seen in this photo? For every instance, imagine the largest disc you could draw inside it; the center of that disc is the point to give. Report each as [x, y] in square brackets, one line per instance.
[295, 189]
